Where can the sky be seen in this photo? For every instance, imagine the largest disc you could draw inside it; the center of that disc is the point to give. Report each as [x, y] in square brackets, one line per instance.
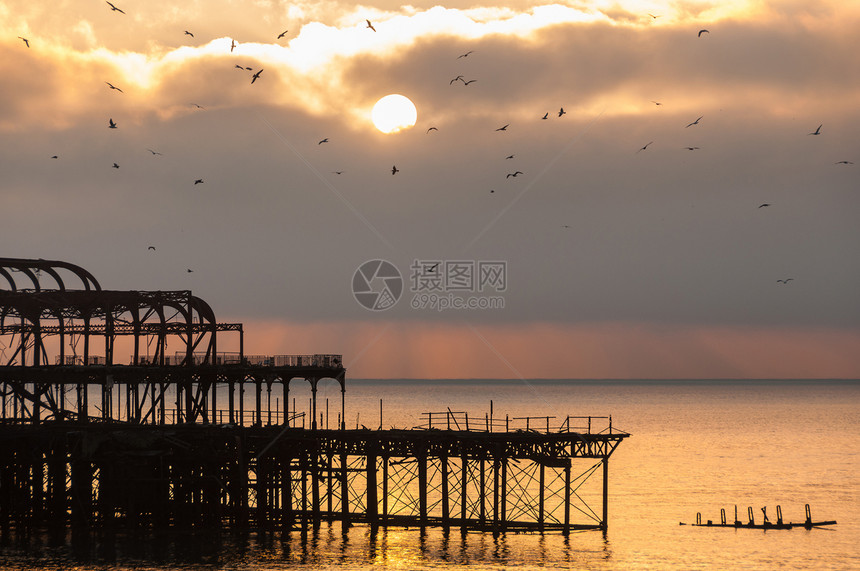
[633, 242]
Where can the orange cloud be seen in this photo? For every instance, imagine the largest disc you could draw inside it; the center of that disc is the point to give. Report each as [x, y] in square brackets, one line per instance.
[547, 350]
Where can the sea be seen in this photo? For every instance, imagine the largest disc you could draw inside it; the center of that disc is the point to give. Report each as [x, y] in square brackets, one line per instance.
[695, 447]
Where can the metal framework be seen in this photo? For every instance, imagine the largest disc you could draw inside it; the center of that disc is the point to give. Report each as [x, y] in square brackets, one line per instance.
[203, 437]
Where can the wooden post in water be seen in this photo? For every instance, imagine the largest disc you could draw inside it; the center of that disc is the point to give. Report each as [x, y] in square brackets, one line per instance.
[314, 459]
[541, 496]
[482, 492]
[504, 518]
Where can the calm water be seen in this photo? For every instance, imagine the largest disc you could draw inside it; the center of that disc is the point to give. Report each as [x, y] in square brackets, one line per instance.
[695, 447]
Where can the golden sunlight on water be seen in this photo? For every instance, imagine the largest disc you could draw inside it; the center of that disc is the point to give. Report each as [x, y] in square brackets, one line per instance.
[695, 447]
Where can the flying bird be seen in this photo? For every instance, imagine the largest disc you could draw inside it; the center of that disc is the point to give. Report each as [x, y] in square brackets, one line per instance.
[561, 112]
[817, 131]
[55, 157]
[237, 66]
[503, 128]
[465, 54]
[111, 124]
[337, 172]
[655, 102]
[509, 157]
[25, 40]
[432, 129]
[256, 76]
[198, 181]
[153, 152]
[112, 86]
[394, 170]
[460, 77]
[692, 148]
[843, 163]
[282, 34]
[116, 166]
[785, 281]
[198, 106]
[151, 248]
[653, 16]
[189, 270]
[645, 147]
[369, 25]
[470, 81]
[545, 115]
[513, 174]
[703, 32]
[323, 141]
[492, 191]
[696, 122]
[187, 33]
[764, 205]
[114, 8]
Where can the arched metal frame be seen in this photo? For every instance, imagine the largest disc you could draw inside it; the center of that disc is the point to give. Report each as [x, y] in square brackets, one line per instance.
[33, 311]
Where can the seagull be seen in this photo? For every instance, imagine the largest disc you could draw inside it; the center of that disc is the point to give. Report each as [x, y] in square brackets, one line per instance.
[470, 81]
[369, 25]
[189, 270]
[655, 102]
[55, 157]
[323, 141]
[187, 33]
[843, 163]
[509, 157]
[703, 32]
[432, 129]
[653, 16]
[817, 131]
[282, 34]
[198, 181]
[565, 226]
[112, 86]
[513, 174]
[153, 152]
[116, 166]
[696, 122]
[465, 54]
[232, 44]
[111, 124]
[492, 191]
[114, 8]
[151, 248]
[561, 112]
[337, 172]
[460, 77]
[692, 148]
[237, 66]
[256, 76]
[645, 147]
[394, 170]
[198, 106]
[764, 204]
[785, 281]
[504, 128]
[545, 115]
[25, 40]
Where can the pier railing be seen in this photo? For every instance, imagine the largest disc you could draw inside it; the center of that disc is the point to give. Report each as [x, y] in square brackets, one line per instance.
[197, 359]
[460, 421]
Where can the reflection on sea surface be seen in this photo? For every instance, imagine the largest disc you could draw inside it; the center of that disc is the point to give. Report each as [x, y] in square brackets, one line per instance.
[323, 546]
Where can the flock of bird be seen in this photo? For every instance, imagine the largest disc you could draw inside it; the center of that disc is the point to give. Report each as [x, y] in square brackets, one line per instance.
[459, 79]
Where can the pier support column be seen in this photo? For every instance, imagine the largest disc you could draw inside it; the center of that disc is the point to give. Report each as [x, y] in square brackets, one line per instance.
[566, 529]
[446, 515]
[372, 502]
[344, 493]
[422, 489]
[464, 477]
[605, 493]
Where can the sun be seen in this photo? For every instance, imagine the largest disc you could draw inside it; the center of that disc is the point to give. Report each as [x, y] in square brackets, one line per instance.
[393, 113]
